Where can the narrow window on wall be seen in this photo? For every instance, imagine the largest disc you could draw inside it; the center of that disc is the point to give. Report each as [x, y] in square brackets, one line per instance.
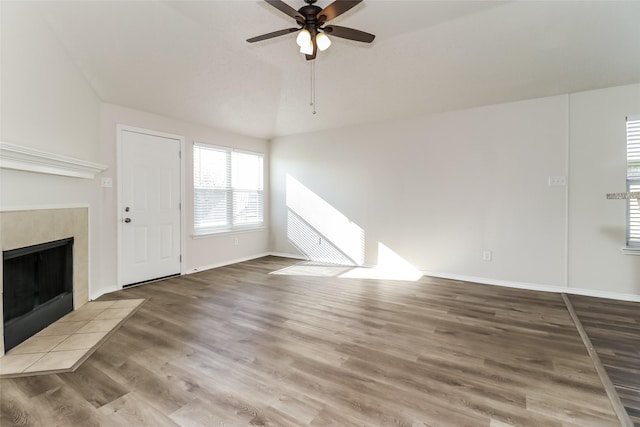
[227, 189]
[633, 181]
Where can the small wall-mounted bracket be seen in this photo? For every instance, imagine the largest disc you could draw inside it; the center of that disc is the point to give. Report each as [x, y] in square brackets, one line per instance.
[630, 195]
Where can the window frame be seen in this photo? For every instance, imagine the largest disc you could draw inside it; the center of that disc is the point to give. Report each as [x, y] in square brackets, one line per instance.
[632, 180]
[231, 224]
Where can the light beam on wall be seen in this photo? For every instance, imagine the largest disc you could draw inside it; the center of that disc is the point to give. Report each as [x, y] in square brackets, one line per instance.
[331, 241]
[320, 231]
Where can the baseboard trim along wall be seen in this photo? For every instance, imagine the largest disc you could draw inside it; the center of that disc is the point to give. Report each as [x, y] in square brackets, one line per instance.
[457, 277]
[206, 267]
[292, 256]
[228, 262]
[536, 287]
[93, 296]
[504, 283]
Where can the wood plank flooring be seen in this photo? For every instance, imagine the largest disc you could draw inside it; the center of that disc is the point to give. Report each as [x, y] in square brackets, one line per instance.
[614, 330]
[238, 346]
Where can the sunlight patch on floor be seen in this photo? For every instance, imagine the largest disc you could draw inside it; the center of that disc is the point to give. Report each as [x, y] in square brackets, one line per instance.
[390, 266]
[313, 269]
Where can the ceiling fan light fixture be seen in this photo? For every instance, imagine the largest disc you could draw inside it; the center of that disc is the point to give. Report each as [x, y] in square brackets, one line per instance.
[307, 49]
[304, 38]
[312, 28]
[323, 41]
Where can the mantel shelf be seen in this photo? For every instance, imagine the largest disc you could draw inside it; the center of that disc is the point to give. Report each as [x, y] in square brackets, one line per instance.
[13, 156]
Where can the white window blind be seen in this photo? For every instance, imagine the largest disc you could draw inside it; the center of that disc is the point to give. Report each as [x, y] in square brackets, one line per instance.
[633, 181]
[228, 189]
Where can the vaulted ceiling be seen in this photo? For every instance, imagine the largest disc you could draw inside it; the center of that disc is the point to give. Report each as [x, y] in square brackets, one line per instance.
[190, 60]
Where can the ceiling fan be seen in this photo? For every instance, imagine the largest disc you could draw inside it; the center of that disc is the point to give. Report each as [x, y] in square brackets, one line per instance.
[312, 29]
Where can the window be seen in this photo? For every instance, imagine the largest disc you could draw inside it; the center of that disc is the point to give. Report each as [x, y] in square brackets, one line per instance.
[227, 189]
[633, 181]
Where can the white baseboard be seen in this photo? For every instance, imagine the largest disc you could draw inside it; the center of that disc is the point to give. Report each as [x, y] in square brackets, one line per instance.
[458, 277]
[602, 294]
[227, 262]
[506, 283]
[100, 292]
[536, 287]
[292, 256]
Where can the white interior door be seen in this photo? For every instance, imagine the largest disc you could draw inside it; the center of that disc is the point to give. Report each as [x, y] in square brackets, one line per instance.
[150, 207]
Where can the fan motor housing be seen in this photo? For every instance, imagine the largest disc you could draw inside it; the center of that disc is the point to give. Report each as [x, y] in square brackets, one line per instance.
[310, 12]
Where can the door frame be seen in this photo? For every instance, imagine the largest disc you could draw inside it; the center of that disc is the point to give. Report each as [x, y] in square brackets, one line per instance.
[120, 128]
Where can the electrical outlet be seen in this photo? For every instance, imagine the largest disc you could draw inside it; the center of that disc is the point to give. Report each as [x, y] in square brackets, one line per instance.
[106, 182]
[486, 255]
[557, 181]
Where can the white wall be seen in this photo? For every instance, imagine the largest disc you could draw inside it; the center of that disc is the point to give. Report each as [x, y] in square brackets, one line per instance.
[436, 189]
[202, 252]
[439, 189]
[597, 165]
[46, 104]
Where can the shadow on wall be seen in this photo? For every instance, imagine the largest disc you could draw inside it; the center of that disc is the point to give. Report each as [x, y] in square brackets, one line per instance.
[319, 230]
[324, 235]
[313, 244]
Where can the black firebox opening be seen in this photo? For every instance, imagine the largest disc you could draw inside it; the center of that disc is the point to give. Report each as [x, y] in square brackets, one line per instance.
[37, 288]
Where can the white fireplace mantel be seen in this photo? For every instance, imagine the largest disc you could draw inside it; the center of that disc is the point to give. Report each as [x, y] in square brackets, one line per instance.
[13, 156]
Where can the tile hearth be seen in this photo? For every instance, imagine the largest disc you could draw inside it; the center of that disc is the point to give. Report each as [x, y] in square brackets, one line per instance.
[65, 344]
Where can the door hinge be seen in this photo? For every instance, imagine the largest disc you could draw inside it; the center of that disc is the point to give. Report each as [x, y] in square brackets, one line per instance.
[180, 258]
[179, 154]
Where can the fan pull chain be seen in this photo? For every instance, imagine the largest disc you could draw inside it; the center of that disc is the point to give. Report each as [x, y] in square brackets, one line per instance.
[312, 101]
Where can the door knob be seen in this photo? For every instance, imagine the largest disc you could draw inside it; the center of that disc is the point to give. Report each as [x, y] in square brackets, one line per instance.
[127, 220]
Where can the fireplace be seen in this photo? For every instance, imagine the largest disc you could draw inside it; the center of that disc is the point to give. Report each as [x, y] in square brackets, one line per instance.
[30, 228]
[38, 288]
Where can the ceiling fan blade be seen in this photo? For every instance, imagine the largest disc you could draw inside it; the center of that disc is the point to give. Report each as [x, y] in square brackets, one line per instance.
[272, 35]
[285, 8]
[336, 8]
[349, 33]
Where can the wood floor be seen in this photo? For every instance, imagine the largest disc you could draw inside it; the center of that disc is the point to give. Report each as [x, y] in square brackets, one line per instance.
[614, 330]
[238, 346]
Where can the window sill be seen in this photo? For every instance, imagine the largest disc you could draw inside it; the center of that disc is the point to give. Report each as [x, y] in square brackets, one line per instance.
[209, 234]
[631, 251]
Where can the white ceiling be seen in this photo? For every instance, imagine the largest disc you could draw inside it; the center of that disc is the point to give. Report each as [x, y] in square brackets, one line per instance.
[189, 60]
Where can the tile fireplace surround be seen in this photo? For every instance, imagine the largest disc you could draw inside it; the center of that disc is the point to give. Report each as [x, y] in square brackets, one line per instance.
[31, 227]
